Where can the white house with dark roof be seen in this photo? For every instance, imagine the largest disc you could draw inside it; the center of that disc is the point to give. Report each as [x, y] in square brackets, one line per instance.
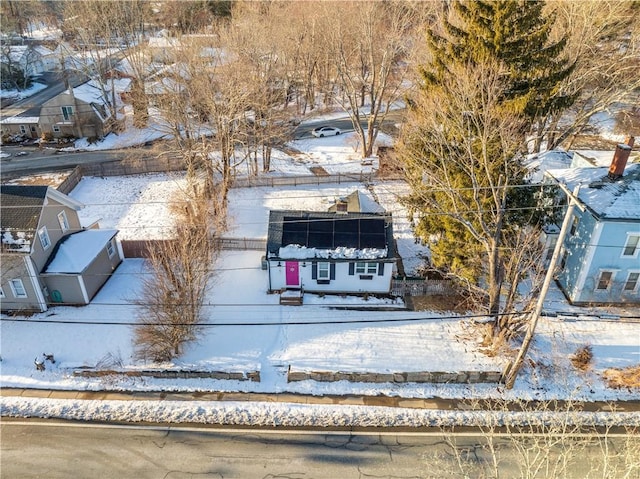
[600, 260]
[338, 251]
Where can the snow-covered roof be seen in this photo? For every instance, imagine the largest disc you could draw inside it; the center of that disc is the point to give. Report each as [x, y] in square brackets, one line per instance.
[76, 251]
[89, 92]
[548, 160]
[164, 42]
[312, 234]
[606, 198]
[296, 251]
[20, 120]
[597, 158]
[358, 202]
[17, 52]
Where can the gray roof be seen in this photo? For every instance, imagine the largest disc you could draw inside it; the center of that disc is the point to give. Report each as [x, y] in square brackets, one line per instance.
[328, 230]
[20, 208]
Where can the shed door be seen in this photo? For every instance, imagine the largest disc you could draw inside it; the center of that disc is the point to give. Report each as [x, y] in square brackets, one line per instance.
[292, 276]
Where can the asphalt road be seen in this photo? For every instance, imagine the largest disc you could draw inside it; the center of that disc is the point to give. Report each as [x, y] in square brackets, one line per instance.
[58, 450]
[50, 159]
[37, 161]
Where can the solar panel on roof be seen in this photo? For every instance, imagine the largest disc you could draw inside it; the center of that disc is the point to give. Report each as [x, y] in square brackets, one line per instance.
[331, 233]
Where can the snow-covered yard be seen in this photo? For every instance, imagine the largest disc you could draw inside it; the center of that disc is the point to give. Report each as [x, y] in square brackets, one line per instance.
[247, 329]
[349, 340]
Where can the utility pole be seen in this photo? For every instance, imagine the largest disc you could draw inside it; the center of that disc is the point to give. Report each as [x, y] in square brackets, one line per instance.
[512, 371]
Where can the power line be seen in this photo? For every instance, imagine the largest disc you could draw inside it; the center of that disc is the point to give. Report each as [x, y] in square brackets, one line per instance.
[257, 323]
[620, 319]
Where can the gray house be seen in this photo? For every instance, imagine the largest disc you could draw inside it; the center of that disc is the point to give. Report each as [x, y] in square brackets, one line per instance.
[46, 256]
[77, 112]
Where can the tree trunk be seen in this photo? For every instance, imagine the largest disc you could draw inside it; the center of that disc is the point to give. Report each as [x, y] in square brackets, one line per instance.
[495, 283]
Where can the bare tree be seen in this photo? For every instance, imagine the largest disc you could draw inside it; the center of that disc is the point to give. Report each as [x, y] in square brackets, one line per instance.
[106, 33]
[369, 42]
[537, 440]
[170, 307]
[604, 45]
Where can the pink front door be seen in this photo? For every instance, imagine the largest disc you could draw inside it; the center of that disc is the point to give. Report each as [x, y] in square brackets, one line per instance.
[293, 278]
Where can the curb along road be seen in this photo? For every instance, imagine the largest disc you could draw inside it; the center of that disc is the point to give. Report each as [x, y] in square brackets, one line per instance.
[384, 401]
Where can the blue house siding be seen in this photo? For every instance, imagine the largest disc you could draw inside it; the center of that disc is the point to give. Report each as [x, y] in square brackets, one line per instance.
[600, 264]
[598, 247]
[577, 249]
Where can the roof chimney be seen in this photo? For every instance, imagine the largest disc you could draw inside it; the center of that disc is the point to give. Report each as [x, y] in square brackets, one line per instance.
[620, 157]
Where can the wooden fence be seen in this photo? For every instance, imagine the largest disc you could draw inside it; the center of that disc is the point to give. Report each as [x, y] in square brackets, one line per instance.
[140, 248]
[257, 244]
[420, 287]
[133, 166]
[71, 181]
[254, 181]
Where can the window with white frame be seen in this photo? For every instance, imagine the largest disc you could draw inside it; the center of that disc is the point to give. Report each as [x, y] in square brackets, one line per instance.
[110, 248]
[62, 219]
[631, 284]
[1, 293]
[632, 246]
[55, 128]
[605, 280]
[23, 129]
[17, 288]
[43, 234]
[367, 268]
[323, 271]
[67, 112]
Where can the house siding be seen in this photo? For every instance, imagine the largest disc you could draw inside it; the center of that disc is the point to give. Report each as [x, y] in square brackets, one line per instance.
[49, 218]
[81, 288]
[13, 129]
[100, 270]
[343, 282]
[84, 123]
[597, 246]
[14, 266]
[66, 288]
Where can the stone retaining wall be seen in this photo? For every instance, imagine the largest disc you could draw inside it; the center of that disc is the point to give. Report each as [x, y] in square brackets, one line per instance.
[462, 377]
[169, 374]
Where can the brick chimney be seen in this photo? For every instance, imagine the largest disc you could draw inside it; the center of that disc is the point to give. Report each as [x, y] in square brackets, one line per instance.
[620, 157]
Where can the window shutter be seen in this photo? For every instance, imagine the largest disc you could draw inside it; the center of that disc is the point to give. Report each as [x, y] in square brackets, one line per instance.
[381, 269]
[352, 269]
[332, 271]
[314, 270]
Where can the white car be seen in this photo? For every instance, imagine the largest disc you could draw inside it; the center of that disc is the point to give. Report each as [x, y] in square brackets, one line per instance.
[322, 131]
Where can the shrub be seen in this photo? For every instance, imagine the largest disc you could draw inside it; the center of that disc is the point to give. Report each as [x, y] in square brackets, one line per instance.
[582, 358]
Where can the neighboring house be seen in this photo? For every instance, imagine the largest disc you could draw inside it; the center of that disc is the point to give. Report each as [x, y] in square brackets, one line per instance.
[23, 126]
[31, 59]
[600, 260]
[46, 256]
[340, 251]
[79, 112]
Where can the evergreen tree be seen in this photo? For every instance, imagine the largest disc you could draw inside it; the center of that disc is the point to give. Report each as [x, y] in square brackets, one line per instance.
[516, 34]
[493, 71]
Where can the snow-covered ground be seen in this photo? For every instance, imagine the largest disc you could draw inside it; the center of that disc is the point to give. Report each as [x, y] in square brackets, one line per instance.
[20, 94]
[246, 329]
[425, 341]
